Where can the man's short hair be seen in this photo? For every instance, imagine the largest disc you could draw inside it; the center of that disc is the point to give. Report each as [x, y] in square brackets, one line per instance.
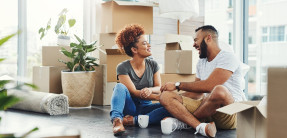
[208, 28]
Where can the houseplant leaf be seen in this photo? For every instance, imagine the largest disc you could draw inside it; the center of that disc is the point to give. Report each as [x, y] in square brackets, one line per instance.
[71, 22]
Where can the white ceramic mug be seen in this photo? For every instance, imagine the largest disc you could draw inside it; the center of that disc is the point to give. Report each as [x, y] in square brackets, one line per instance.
[143, 121]
[166, 127]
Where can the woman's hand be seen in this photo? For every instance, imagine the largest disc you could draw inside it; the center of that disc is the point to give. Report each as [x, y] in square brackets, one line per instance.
[145, 92]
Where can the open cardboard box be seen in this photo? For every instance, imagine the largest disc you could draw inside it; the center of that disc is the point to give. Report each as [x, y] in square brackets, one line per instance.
[180, 57]
[105, 41]
[251, 117]
[115, 15]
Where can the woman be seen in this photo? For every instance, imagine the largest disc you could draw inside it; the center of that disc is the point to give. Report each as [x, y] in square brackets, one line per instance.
[139, 82]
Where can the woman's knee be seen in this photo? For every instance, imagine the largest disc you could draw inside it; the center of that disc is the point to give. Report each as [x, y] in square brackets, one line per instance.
[120, 86]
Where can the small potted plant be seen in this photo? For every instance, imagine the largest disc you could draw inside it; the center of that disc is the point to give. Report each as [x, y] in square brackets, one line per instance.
[78, 82]
[61, 28]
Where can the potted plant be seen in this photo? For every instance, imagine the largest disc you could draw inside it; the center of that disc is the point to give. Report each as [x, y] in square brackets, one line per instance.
[61, 28]
[78, 82]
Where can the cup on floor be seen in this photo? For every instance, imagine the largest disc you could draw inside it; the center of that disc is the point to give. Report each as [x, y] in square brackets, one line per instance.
[166, 127]
[143, 121]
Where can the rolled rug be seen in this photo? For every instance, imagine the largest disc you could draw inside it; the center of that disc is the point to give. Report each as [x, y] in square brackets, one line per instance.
[42, 102]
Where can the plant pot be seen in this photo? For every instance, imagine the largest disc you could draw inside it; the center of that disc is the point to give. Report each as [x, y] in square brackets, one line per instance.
[63, 40]
[79, 87]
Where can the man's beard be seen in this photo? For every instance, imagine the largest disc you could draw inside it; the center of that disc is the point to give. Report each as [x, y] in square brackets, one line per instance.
[203, 50]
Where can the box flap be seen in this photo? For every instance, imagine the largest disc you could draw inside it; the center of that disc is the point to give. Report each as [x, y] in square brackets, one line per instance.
[262, 106]
[234, 108]
[130, 3]
[114, 52]
[173, 38]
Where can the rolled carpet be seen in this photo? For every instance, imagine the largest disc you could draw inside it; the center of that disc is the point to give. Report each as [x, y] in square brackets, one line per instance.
[42, 102]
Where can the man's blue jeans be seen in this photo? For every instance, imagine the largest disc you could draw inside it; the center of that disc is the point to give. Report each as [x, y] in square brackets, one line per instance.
[123, 104]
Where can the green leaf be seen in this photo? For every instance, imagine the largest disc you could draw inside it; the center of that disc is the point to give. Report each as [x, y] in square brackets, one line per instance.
[71, 22]
[31, 85]
[70, 65]
[7, 101]
[78, 39]
[91, 49]
[1, 59]
[5, 39]
[29, 132]
[67, 53]
[73, 45]
[41, 30]
[64, 11]
[91, 58]
[3, 83]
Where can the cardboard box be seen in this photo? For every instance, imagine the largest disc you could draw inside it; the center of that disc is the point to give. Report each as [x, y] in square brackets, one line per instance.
[48, 78]
[251, 118]
[51, 55]
[117, 14]
[277, 107]
[103, 89]
[114, 57]
[180, 57]
[176, 77]
[107, 40]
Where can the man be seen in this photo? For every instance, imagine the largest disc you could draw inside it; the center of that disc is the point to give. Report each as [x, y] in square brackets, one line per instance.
[218, 75]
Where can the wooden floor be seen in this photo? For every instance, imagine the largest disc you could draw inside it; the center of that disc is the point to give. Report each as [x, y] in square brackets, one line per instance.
[90, 122]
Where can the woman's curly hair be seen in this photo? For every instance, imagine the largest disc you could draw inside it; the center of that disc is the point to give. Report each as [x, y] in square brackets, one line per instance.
[128, 37]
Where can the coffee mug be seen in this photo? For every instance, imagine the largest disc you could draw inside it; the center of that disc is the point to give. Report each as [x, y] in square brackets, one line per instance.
[143, 121]
[166, 127]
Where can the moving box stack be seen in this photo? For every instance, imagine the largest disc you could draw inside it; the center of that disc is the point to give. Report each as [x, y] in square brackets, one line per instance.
[180, 59]
[112, 17]
[48, 76]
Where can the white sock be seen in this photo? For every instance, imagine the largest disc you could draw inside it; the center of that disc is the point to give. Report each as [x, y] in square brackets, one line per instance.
[201, 129]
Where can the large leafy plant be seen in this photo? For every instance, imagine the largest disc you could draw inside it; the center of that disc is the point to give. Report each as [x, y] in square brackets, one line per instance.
[5, 100]
[79, 55]
[61, 27]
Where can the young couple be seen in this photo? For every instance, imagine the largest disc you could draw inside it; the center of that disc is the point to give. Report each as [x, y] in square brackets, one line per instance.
[217, 75]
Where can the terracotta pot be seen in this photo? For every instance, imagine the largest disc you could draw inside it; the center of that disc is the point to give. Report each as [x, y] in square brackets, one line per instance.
[79, 87]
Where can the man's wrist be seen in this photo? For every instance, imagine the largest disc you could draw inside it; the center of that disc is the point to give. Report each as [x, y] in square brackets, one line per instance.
[177, 84]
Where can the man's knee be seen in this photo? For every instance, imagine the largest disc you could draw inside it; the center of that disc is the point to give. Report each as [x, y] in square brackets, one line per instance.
[219, 93]
[166, 97]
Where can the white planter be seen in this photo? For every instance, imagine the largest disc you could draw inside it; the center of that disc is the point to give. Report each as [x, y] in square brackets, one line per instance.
[63, 40]
[79, 87]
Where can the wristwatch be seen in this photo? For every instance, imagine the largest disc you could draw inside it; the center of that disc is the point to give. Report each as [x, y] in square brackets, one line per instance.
[177, 85]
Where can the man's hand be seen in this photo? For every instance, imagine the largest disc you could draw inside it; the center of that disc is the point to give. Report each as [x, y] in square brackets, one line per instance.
[145, 92]
[170, 86]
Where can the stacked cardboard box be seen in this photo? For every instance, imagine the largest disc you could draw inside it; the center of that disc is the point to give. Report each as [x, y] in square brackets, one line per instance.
[48, 76]
[277, 107]
[114, 16]
[180, 57]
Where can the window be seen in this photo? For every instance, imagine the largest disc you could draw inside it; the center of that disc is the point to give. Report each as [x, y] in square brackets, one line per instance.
[36, 20]
[273, 34]
[9, 25]
[230, 3]
[276, 33]
[267, 50]
[264, 34]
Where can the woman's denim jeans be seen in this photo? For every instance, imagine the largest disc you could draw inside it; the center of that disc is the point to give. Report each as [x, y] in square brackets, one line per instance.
[123, 104]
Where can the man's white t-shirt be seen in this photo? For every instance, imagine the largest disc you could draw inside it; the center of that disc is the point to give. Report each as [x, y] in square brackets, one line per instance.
[225, 60]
